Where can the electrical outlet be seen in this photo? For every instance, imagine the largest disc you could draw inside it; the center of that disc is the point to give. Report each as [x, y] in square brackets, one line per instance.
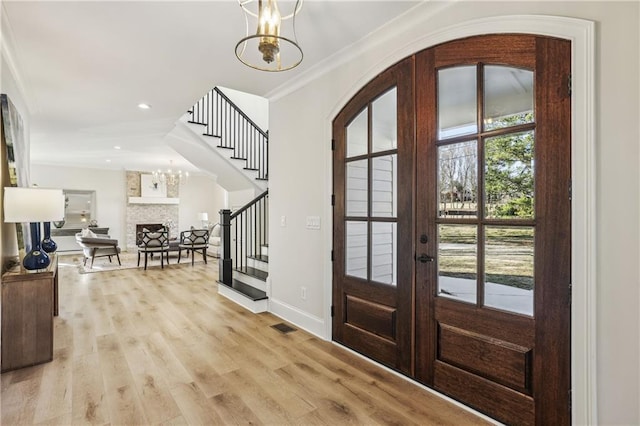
[303, 293]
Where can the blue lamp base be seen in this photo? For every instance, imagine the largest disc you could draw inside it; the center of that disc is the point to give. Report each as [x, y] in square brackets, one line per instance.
[36, 258]
[48, 244]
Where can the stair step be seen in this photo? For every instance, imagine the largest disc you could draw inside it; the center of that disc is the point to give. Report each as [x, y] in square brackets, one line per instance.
[253, 272]
[211, 135]
[260, 257]
[196, 122]
[238, 158]
[224, 147]
[247, 291]
[260, 178]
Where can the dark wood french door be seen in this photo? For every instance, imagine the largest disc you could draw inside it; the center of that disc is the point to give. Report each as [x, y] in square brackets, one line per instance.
[452, 234]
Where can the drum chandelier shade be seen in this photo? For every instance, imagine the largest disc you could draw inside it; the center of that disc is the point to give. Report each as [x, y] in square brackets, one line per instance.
[274, 46]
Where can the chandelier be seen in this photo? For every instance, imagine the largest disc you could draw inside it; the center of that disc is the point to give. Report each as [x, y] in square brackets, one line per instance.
[269, 49]
[169, 177]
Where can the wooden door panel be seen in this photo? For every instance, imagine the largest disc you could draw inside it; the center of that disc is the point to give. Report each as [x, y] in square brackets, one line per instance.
[494, 359]
[516, 329]
[503, 403]
[372, 317]
[375, 347]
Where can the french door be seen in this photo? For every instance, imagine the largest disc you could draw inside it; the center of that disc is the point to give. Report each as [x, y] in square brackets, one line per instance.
[452, 235]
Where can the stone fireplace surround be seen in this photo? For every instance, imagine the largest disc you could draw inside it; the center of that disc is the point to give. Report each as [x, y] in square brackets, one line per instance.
[137, 214]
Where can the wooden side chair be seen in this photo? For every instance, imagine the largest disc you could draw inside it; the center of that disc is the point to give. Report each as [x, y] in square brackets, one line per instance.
[192, 241]
[152, 242]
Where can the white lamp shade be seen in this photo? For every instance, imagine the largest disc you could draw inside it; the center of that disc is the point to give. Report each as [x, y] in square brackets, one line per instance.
[203, 216]
[33, 205]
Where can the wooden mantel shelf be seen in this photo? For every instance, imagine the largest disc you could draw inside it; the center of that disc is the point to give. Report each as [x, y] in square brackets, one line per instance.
[153, 200]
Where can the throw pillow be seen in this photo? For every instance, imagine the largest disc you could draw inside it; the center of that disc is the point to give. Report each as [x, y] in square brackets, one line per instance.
[88, 233]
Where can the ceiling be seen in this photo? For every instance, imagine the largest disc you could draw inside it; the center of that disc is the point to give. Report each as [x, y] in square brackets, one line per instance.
[84, 66]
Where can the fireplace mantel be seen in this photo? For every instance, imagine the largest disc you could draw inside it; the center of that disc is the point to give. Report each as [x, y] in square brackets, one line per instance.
[153, 200]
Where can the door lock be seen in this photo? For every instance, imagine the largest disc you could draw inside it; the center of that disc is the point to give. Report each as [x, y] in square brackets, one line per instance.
[424, 258]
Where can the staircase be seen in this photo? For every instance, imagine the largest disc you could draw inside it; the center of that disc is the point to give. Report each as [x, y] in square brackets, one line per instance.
[244, 260]
[216, 123]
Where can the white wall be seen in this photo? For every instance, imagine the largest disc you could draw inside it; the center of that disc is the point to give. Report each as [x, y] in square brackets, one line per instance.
[300, 182]
[110, 187]
[237, 199]
[256, 107]
[200, 194]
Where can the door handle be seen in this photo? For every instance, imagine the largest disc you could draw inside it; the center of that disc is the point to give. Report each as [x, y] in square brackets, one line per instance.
[424, 258]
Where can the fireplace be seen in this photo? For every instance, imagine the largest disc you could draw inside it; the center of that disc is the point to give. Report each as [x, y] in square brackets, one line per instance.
[150, 226]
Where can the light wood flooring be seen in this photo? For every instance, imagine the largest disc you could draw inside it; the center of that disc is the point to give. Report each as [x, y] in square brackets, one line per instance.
[159, 346]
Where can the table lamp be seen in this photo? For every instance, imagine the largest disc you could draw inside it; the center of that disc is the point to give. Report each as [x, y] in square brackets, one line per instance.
[33, 205]
[204, 217]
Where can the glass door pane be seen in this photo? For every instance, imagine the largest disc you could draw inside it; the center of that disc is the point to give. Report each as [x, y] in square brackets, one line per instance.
[384, 193]
[509, 176]
[356, 243]
[508, 268]
[357, 135]
[457, 262]
[457, 102]
[357, 191]
[384, 125]
[384, 248]
[458, 180]
[508, 97]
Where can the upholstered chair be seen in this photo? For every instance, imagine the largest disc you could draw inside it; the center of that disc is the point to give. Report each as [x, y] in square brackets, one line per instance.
[97, 245]
[192, 241]
[152, 242]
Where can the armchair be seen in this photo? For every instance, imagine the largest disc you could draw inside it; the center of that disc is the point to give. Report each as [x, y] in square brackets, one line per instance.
[153, 242]
[97, 245]
[214, 240]
[192, 241]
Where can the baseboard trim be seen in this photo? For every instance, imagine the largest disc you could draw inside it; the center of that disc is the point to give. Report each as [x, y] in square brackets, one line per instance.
[309, 323]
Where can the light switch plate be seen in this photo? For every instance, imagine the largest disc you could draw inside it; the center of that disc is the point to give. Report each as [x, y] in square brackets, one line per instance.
[313, 222]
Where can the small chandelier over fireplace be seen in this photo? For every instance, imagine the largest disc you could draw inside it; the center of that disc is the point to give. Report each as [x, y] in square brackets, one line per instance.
[271, 48]
[169, 176]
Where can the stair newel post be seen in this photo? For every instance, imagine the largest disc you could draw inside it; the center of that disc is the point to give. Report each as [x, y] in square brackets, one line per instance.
[226, 262]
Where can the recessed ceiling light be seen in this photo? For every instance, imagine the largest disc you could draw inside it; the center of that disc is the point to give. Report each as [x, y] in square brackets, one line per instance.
[144, 106]
[107, 160]
[116, 147]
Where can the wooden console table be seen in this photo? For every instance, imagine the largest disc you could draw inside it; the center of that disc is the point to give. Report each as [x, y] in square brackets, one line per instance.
[29, 303]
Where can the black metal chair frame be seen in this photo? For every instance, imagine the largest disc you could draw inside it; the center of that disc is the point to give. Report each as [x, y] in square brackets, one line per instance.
[152, 242]
[193, 241]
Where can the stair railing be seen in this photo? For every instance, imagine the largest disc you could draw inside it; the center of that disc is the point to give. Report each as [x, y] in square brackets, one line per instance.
[225, 120]
[250, 228]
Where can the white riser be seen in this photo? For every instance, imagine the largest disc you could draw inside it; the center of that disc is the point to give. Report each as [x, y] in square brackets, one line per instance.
[253, 306]
[249, 280]
[264, 250]
[258, 264]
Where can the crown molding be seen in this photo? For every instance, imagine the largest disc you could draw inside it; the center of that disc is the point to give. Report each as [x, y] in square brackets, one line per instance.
[413, 16]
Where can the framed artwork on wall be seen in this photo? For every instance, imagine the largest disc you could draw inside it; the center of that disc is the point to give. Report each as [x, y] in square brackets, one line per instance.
[150, 187]
[16, 156]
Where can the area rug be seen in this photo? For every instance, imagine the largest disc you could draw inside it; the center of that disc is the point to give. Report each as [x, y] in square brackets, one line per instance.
[128, 260]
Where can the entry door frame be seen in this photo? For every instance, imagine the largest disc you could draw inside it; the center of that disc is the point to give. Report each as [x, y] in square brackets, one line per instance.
[581, 33]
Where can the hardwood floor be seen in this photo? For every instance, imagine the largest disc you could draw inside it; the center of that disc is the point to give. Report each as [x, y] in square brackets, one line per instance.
[159, 346]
